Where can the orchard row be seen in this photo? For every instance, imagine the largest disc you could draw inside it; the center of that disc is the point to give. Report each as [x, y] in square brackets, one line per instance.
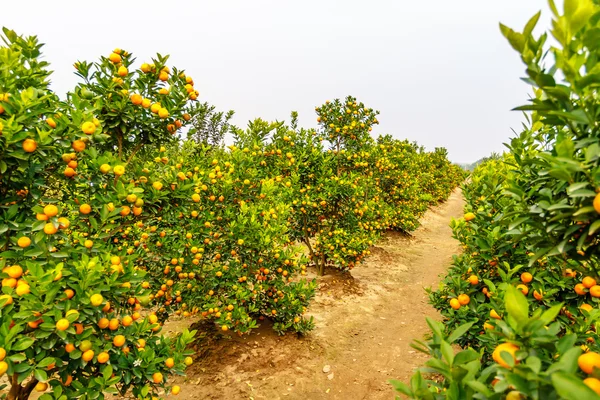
[121, 206]
[523, 300]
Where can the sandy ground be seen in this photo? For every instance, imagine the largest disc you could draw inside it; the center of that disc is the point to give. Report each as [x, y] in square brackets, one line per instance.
[365, 323]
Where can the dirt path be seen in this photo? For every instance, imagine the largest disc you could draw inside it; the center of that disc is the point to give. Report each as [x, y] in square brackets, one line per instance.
[365, 324]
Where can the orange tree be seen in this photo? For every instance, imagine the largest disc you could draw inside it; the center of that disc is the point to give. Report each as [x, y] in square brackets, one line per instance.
[70, 318]
[224, 251]
[527, 285]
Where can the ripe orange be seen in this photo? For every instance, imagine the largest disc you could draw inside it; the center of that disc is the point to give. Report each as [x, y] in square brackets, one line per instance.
[23, 242]
[69, 172]
[2, 354]
[41, 217]
[119, 170]
[523, 288]
[141, 343]
[78, 145]
[50, 210]
[62, 324]
[526, 277]
[126, 320]
[63, 223]
[170, 363]
[145, 67]
[505, 347]
[41, 387]
[113, 325]
[593, 383]
[87, 355]
[464, 299]
[3, 367]
[597, 203]
[88, 244]
[588, 361]
[50, 229]
[539, 296]
[163, 76]
[163, 113]
[105, 168]
[580, 289]
[586, 307]
[455, 304]
[122, 71]
[175, 390]
[473, 280]
[96, 299]
[14, 272]
[595, 291]
[88, 128]
[469, 216]
[119, 341]
[136, 99]
[69, 347]
[6, 300]
[114, 57]
[85, 209]
[22, 290]
[157, 377]
[29, 145]
[103, 323]
[103, 357]
[588, 282]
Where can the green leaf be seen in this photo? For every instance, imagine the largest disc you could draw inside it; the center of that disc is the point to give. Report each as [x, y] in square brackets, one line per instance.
[458, 332]
[40, 375]
[571, 387]
[22, 344]
[447, 352]
[516, 305]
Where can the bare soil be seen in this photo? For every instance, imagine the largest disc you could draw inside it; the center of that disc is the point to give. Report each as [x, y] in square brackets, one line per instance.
[365, 323]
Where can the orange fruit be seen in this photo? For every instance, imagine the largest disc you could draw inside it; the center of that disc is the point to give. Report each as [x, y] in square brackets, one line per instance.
[85, 209]
[69, 172]
[78, 328]
[78, 145]
[2, 354]
[14, 272]
[136, 99]
[88, 244]
[455, 304]
[103, 357]
[505, 347]
[473, 280]
[141, 343]
[157, 377]
[113, 325]
[103, 323]
[62, 324]
[23, 242]
[22, 290]
[88, 128]
[188, 361]
[538, 295]
[6, 300]
[588, 361]
[50, 210]
[114, 57]
[163, 76]
[588, 282]
[63, 223]
[580, 289]
[105, 168]
[119, 170]
[69, 347]
[488, 326]
[69, 293]
[595, 291]
[96, 299]
[469, 216]
[523, 288]
[126, 320]
[170, 363]
[175, 390]
[163, 113]
[87, 355]
[41, 217]
[41, 387]
[3, 367]
[50, 229]
[526, 277]
[593, 383]
[122, 71]
[145, 67]
[586, 307]
[29, 145]
[464, 299]
[597, 203]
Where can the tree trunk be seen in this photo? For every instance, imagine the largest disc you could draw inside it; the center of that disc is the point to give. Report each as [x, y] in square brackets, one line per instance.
[18, 392]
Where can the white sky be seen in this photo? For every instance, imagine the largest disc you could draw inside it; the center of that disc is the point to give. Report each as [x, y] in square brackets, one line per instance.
[439, 71]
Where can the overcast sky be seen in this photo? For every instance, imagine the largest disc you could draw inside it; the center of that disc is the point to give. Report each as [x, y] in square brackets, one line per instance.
[439, 71]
